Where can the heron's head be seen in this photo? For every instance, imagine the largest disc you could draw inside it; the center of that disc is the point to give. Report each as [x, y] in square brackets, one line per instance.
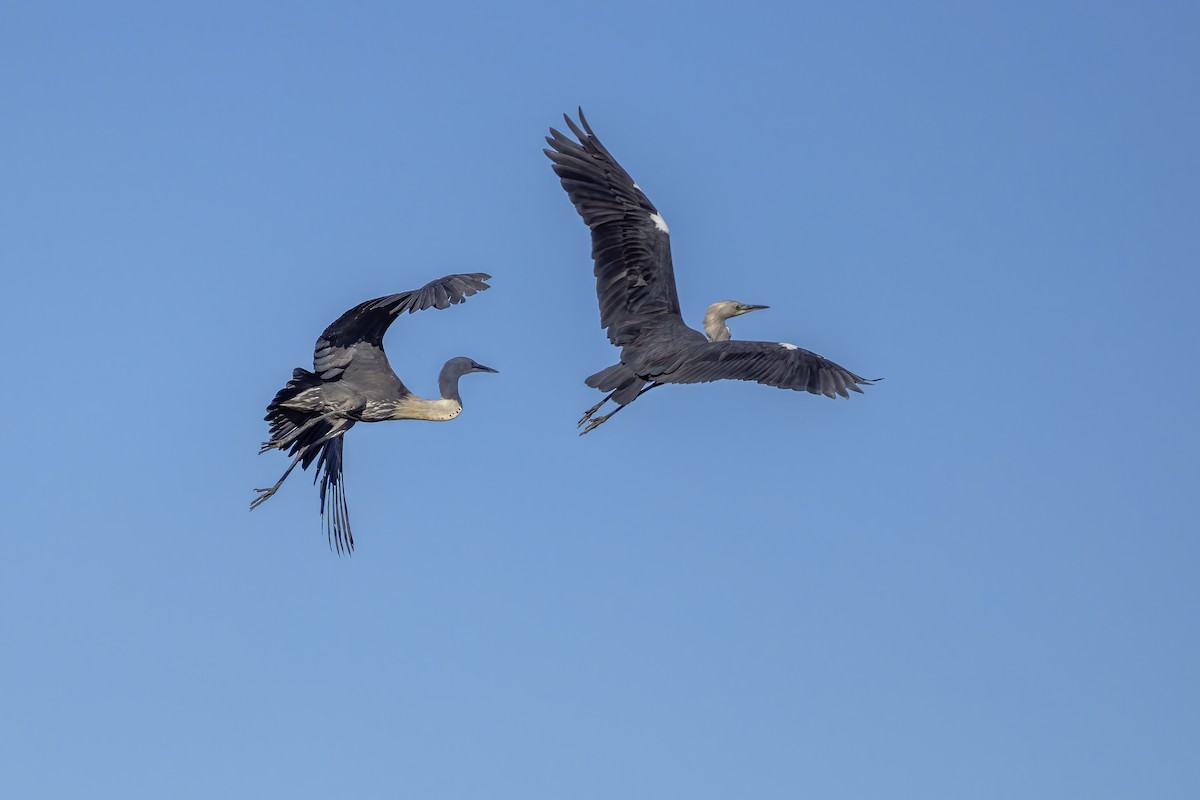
[725, 309]
[465, 366]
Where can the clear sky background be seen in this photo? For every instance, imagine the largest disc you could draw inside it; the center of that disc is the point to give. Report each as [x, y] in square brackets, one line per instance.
[979, 580]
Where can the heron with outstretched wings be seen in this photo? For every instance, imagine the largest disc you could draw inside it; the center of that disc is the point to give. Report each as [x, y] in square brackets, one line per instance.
[639, 305]
[351, 382]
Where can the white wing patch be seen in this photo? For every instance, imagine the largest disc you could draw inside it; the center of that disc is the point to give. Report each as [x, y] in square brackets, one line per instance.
[788, 346]
[660, 223]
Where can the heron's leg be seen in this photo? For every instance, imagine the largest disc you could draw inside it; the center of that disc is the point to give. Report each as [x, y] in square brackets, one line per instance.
[588, 414]
[601, 420]
[263, 494]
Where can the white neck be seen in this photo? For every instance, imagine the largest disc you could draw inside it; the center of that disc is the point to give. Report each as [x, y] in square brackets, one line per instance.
[715, 327]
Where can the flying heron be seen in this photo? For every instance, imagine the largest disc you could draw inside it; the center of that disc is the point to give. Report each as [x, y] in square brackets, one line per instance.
[639, 306]
[351, 382]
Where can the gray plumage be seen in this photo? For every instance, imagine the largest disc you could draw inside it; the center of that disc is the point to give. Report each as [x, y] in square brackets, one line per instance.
[639, 305]
[351, 382]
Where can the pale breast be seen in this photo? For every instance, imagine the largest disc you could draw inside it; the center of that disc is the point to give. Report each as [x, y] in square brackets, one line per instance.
[413, 407]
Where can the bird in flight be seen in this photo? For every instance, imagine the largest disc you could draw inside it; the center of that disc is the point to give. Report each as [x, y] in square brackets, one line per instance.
[639, 305]
[351, 382]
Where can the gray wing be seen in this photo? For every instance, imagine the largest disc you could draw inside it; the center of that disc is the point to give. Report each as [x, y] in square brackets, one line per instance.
[772, 363]
[630, 242]
[358, 334]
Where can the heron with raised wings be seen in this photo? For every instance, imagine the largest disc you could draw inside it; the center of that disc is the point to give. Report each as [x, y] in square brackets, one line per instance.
[639, 305]
[351, 382]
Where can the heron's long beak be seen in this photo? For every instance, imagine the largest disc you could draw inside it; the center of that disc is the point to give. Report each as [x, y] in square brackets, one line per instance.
[747, 309]
[482, 368]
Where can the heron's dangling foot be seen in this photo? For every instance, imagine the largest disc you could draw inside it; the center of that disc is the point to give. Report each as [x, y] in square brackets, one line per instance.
[601, 420]
[598, 421]
[588, 414]
[263, 494]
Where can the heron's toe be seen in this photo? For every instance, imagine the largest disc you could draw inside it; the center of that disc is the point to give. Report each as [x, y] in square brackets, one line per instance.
[594, 424]
[263, 494]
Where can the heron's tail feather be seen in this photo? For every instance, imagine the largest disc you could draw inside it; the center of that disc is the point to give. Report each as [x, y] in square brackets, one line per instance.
[337, 521]
[629, 392]
[610, 378]
[619, 379]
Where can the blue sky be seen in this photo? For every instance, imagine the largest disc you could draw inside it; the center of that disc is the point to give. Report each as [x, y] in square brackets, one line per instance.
[977, 580]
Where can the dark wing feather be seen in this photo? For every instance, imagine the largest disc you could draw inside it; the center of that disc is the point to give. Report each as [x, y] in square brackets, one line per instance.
[365, 324]
[635, 279]
[771, 363]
